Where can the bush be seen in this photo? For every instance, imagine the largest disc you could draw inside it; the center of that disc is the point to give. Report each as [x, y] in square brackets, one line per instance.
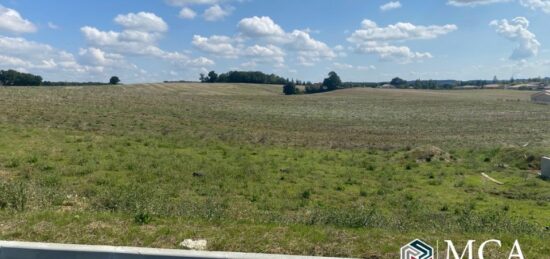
[311, 89]
[143, 218]
[290, 89]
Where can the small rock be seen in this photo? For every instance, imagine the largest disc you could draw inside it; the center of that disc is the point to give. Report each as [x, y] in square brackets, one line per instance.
[191, 244]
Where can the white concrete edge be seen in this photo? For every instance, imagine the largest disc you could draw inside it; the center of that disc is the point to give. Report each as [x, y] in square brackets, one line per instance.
[143, 251]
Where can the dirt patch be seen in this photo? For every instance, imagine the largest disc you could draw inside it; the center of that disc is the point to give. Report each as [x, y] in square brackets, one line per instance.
[426, 154]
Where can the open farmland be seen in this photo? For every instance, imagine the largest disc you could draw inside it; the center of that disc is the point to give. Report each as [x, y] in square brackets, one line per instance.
[252, 170]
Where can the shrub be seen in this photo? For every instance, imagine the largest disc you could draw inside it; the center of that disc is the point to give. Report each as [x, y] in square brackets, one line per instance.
[290, 89]
[143, 218]
[306, 194]
[311, 89]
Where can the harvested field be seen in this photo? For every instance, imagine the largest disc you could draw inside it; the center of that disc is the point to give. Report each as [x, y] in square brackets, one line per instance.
[324, 174]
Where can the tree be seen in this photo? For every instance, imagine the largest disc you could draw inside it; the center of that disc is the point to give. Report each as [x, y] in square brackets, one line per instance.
[333, 81]
[398, 82]
[14, 78]
[114, 80]
[290, 88]
[202, 78]
[212, 77]
[252, 77]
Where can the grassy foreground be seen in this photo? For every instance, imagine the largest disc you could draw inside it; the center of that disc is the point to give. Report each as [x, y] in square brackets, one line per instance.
[356, 172]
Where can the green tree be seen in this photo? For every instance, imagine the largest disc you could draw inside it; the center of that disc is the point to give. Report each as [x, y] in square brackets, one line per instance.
[14, 78]
[398, 82]
[251, 77]
[212, 77]
[114, 80]
[333, 81]
[290, 88]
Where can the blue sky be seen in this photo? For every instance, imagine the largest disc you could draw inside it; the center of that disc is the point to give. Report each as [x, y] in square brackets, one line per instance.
[363, 40]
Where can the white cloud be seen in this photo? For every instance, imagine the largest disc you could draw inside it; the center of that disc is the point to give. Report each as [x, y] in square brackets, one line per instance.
[261, 40]
[517, 30]
[342, 66]
[266, 54]
[372, 39]
[230, 48]
[187, 13]
[10, 62]
[201, 62]
[399, 54]
[127, 42]
[98, 57]
[399, 31]
[216, 45]
[249, 64]
[472, 3]
[366, 68]
[143, 21]
[140, 37]
[543, 5]
[216, 13]
[193, 2]
[11, 20]
[308, 50]
[390, 6]
[260, 27]
[30, 56]
[53, 26]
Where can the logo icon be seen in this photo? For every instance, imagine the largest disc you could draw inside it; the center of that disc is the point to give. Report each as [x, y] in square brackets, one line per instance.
[417, 249]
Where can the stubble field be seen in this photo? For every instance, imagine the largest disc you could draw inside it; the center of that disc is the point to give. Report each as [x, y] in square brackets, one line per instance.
[355, 172]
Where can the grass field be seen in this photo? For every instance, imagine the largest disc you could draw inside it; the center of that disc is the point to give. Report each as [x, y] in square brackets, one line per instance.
[356, 172]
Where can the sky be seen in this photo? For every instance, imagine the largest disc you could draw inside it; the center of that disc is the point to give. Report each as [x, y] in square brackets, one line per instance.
[362, 40]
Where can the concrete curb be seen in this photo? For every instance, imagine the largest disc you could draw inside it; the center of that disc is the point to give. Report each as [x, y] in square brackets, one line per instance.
[29, 250]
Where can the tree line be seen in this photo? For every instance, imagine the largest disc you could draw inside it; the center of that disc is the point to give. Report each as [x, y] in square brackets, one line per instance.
[251, 77]
[15, 78]
[331, 83]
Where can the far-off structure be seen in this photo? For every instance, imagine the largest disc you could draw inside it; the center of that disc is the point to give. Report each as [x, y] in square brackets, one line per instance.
[541, 97]
[545, 168]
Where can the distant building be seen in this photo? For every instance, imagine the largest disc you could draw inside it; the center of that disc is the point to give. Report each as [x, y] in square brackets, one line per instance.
[528, 86]
[545, 167]
[541, 97]
[468, 87]
[493, 86]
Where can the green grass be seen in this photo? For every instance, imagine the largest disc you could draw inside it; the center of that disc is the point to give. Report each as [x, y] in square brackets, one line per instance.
[349, 173]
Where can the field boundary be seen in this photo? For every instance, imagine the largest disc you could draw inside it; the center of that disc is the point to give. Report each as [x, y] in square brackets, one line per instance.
[15, 249]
